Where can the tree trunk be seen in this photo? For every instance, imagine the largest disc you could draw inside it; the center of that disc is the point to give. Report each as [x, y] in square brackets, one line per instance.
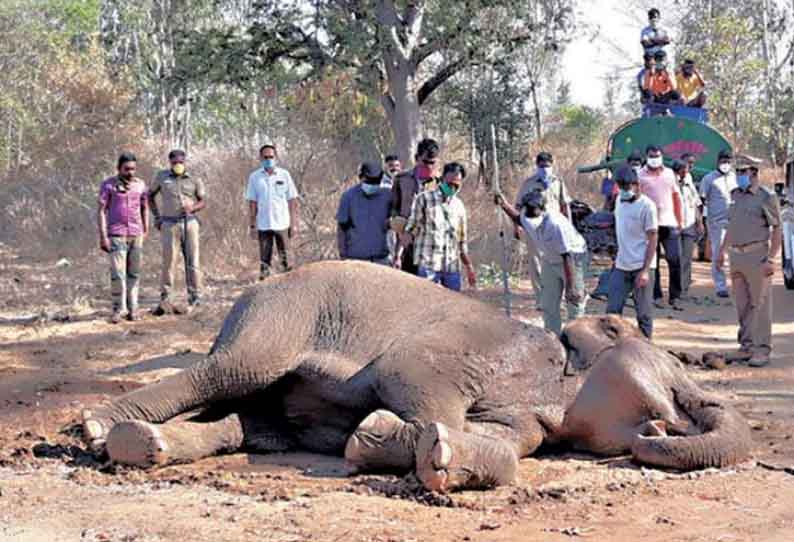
[402, 110]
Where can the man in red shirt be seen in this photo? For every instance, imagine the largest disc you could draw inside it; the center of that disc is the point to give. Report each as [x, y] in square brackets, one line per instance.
[659, 86]
[123, 222]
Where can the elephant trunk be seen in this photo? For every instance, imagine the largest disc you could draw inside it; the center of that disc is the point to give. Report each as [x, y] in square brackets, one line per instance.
[725, 439]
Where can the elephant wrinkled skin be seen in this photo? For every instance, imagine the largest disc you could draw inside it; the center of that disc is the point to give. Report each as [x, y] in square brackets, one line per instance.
[397, 373]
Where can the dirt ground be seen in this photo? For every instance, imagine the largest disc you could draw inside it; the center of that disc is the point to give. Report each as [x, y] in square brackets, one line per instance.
[58, 354]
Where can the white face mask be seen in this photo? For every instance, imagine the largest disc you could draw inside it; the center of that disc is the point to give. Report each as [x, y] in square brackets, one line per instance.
[534, 222]
[724, 168]
[549, 170]
[655, 162]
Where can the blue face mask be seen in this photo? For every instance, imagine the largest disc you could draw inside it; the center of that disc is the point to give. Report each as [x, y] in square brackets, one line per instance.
[370, 189]
[626, 195]
[544, 175]
[268, 163]
[743, 181]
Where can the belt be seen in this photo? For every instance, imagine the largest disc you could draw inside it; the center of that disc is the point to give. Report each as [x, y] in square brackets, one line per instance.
[749, 247]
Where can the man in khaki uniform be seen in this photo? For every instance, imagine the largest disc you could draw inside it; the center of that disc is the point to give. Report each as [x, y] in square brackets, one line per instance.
[182, 197]
[753, 239]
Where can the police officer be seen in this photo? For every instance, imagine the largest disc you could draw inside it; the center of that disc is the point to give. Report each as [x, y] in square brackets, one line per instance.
[183, 195]
[753, 240]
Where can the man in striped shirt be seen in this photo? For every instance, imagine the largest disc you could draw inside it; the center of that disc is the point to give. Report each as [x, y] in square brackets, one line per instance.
[437, 228]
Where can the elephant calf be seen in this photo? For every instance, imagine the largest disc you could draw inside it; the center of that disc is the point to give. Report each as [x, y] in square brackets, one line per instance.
[397, 373]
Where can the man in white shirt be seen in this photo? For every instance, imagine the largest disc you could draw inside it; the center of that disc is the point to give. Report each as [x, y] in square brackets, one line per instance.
[636, 225]
[653, 37]
[692, 230]
[557, 199]
[715, 190]
[563, 255]
[273, 209]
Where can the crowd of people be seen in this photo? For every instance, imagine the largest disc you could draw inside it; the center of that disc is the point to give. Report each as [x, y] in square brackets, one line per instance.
[414, 220]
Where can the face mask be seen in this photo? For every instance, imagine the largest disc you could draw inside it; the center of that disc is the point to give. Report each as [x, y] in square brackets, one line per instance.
[636, 169]
[268, 163]
[178, 169]
[626, 195]
[743, 182]
[534, 221]
[423, 172]
[655, 162]
[448, 190]
[370, 189]
[724, 168]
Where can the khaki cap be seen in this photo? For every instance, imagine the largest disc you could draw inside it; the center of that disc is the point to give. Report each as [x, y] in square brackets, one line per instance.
[745, 161]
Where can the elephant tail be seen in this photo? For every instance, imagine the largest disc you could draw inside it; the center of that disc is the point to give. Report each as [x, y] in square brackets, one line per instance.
[725, 438]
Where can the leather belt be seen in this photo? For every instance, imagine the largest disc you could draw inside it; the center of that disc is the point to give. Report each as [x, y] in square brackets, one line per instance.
[749, 247]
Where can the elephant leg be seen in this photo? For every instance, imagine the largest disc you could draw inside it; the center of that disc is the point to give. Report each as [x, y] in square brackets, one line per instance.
[143, 444]
[222, 376]
[382, 441]
[483, 456]
[386, 439]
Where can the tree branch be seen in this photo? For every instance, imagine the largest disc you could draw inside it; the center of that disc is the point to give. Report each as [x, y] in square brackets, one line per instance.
[470, 58]
[442, 76]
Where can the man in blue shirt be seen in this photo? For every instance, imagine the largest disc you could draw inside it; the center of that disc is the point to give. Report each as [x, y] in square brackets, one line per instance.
[363, 218]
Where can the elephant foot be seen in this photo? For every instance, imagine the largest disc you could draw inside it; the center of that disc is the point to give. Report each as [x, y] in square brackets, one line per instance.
[376, 443]
[95, 430]
[138, 444]
[447, 460]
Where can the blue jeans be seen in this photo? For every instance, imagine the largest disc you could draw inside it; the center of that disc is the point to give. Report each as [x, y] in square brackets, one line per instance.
[446, 279]
[621, 285]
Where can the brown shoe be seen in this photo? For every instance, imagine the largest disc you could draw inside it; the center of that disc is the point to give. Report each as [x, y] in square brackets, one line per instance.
[115, 318]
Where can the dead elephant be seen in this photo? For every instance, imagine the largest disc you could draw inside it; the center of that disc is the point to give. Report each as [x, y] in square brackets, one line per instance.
[361, 360]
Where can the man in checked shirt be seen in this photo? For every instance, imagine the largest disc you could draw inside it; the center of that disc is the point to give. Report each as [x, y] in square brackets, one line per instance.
[437, 228]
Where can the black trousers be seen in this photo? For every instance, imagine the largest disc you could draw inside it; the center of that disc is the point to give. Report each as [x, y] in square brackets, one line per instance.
[670, 240]
[266, 240]
[407, 263]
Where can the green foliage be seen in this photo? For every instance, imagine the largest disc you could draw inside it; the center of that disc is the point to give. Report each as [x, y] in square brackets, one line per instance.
[741, 49]
[579, 123]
